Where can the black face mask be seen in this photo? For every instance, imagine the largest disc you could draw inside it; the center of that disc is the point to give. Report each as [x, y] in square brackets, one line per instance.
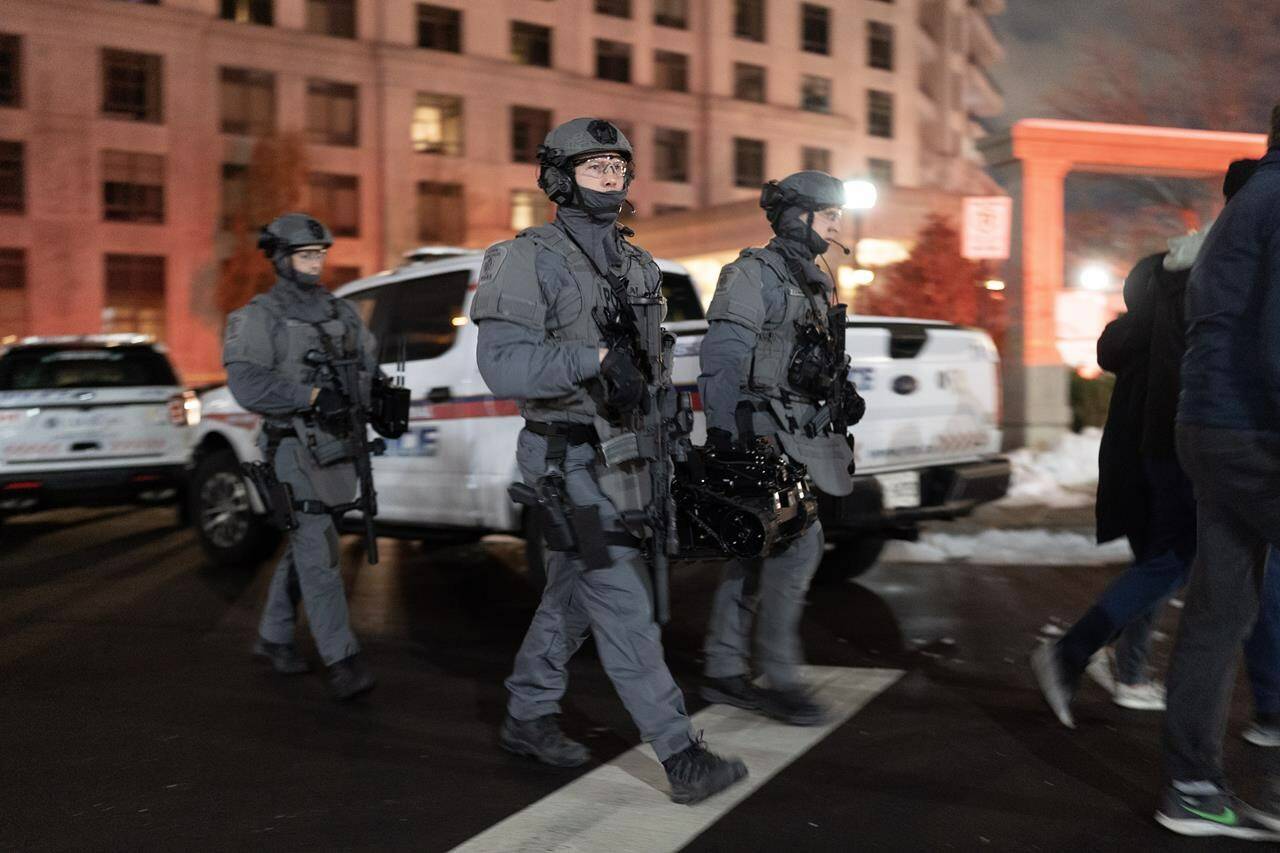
[602, 206]
[284, 267]
[795, 226]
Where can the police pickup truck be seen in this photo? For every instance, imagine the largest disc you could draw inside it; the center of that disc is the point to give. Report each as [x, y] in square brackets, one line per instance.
[927, 448]
[98, 419]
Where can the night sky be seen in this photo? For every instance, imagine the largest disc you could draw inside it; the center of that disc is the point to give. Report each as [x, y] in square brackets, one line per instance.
[1039, 37]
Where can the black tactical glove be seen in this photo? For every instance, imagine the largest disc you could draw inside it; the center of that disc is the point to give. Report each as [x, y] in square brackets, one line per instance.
[854, 406]
[720, 440]
[623, 381]
[330, 408]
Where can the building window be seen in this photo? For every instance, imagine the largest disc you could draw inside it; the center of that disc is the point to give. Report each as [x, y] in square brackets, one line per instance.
[748, 19]
[671, 155]
[529, 208]
[332, 113]
[235, 193]
[815, 28]
[249, 11]
[671, 71]
[132, 187]
[748, 163]
[617, 8]
[815, 94]
[13, 294]
[442, 213]
[439, 28]
[529, 126]
[880, 171]
[879, 114]
[816, 159]
[335, 200]
[131, 85]
[437, 125]
[135, 295]
[332, 18]
[748, 82]
[10, 70]
[613, 60]
[248, 101]
[13, 180]
[530, 44]
[671, 13]
[880, 45]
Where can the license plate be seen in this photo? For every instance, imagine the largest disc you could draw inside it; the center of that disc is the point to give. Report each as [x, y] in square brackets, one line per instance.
[901, 490]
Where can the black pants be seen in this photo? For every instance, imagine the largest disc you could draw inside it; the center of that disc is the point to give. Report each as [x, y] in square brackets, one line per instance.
[1236, 474]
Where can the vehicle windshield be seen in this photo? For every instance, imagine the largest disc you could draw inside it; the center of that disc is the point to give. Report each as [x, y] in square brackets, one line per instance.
[682, 299]
[84, 366]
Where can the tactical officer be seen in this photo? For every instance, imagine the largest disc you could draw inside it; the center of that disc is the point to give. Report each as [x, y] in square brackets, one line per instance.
[763, 376]
[265, 351]
[539, 306]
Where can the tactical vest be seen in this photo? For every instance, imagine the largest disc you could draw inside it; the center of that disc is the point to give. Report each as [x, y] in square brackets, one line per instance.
[777, 340]
[570, 313]
[299, 336]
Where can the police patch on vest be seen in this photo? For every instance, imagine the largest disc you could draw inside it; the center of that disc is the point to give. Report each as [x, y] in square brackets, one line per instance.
[493, 260]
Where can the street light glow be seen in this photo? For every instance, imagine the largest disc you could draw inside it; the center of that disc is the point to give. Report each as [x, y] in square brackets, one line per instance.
[859, 195]
[993, 284]
[1095, 277]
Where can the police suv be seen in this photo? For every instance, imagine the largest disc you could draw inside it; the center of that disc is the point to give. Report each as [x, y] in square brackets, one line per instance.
[927, 448]
[91, 420]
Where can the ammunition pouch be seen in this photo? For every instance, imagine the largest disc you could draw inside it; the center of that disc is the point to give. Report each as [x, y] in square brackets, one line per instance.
[813, 366]
[388, 408]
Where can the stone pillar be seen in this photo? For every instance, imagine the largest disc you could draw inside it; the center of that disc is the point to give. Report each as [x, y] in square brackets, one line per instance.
[1036, 389]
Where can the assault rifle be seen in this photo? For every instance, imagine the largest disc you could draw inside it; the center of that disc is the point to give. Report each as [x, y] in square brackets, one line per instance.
[835, 407]
[342, 373]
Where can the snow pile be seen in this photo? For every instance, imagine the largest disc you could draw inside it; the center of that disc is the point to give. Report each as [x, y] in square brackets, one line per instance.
[1065, 475]
[1009, 547]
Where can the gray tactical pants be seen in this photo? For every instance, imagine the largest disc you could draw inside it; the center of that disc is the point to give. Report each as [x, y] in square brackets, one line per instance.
[613, 603]
[309, 569]
[767, 595]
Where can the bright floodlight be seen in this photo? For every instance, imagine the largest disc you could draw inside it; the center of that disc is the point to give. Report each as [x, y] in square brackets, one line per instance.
[859, 195]
[1095, 277]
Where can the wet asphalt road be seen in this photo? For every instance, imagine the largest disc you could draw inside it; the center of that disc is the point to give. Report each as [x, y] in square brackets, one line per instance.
[133, 717]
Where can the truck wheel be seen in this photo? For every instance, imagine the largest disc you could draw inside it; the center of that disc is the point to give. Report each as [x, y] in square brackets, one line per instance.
[849, 559]
[230, 532]
[535, 551]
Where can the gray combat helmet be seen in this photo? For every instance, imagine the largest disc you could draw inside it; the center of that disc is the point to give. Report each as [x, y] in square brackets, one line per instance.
[573, 141]
[288, 233]
[802, 192]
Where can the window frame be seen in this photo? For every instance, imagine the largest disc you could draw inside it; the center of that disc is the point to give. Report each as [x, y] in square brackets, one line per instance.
[530, 148]
[332, 90]
[455, 120]
[810, 13]
[665, 140]
[327, 211]
[126, 197]
[806, 103]
[346, 25]
[751, 20]
[531, 32]
[252, 79]
[874, 115]
[880, 46]
[454, 214]
[622, 54]
[252, 12]
[13, 151]
[150, 66]
[11, 52]
[739, 69]
[740, 146]
[680, 69]
[452, 30]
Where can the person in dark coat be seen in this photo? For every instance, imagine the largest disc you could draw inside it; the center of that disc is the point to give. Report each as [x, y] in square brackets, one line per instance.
[1143, 493]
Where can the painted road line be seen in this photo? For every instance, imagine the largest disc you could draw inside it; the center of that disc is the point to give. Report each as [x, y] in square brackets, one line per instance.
[623, 807]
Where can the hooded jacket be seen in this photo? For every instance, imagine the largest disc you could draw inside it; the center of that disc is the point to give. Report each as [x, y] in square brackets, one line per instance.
[1231, 369]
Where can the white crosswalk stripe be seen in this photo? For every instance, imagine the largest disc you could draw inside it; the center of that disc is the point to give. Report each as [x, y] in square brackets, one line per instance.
[623, 807]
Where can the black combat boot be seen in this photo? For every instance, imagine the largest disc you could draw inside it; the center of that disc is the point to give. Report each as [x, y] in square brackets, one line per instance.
[349, 678]
[542, 739]
[793, 707]
[283, 657]
[696, 773]
[736, 690]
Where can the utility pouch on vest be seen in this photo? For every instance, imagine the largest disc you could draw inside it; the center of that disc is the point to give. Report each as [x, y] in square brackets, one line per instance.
[276, 497]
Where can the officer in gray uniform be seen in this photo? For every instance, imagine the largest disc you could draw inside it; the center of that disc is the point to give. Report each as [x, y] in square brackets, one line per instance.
[263, 351]
[538, 308]
[749, 357]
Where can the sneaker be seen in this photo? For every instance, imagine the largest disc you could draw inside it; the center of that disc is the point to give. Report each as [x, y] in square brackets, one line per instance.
[1053, 684]
[1263, 731]
[542, 739]
[1217, 813]
[283, 657]
[696, 773]
[349, 678]
[793, 707]
[736, 690]
[1102, 670]
[1147, 696]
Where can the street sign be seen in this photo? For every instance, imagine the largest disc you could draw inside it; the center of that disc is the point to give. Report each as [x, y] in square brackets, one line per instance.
[988, 221]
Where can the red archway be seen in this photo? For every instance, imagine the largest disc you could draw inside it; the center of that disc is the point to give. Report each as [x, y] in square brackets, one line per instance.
[1032, 162]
